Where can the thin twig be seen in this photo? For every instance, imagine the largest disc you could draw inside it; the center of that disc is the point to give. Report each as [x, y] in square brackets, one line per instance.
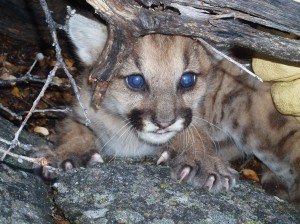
[15, 141]
[5, 141]
[60, 63]
[52, 26]
[26, 78]
[21, 145]
[229, 59]
[18, 117]
[40, 161]
[65, 110]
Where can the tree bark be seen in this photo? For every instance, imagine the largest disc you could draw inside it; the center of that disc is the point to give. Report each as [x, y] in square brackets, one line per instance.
[223, 23]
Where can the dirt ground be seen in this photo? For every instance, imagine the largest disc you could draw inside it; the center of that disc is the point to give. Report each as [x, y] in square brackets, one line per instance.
[15, 61]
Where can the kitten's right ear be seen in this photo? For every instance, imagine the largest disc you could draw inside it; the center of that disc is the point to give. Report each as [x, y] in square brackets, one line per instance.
[88, 36]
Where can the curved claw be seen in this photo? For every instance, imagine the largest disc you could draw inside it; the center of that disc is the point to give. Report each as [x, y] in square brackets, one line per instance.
[184, 173]
[226, 184]
[210, 182]
[68, 166]
[95, 158]
[165, 156]
[50, 172]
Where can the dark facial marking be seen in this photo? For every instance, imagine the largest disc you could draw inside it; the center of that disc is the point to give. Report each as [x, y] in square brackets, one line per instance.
[187, 114]
[136, 119]
[186, 58]
[214, 98]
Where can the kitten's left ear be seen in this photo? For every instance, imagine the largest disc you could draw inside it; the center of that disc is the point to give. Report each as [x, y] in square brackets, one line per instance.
[88, 36]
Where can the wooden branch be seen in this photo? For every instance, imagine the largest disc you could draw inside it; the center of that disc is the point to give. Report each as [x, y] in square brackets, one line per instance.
[39, 161]
[224, 23]
[201, 20]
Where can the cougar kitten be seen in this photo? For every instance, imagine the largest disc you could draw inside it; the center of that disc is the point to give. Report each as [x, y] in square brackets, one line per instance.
[172, 96]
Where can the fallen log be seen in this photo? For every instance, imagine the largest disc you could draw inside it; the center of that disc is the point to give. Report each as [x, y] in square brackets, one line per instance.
[223, 23]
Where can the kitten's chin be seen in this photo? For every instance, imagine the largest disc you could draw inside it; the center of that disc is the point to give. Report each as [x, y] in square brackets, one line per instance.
[156, 138]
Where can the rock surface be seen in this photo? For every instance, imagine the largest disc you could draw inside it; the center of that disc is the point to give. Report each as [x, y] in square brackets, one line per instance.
[127, 191]
[124, 192]
[24, 196]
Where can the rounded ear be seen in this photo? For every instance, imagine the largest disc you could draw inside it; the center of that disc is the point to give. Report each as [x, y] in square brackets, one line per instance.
[88, 36]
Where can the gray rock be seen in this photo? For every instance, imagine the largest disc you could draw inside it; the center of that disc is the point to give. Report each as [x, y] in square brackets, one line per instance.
[125, 192]
[24, 196]
[7, 132]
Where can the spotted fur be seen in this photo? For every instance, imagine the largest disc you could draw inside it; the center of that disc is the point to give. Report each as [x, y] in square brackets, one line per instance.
[224, 115]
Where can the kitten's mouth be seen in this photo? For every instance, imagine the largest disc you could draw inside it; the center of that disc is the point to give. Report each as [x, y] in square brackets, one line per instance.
[161, 131]
[157, 137]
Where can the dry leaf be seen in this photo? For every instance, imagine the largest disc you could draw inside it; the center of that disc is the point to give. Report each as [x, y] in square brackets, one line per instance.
[58, 80]
[41, 130]
[16, 92]
[6, 75]
[8, 65]
[69, 62]
[3, 57]
[250, 174]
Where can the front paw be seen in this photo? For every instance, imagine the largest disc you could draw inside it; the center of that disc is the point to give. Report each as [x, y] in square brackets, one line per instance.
[209, 172]
[64, 159]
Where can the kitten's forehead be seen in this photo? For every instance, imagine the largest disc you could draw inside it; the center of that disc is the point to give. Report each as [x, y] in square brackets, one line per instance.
[160, 54]
[157, 55]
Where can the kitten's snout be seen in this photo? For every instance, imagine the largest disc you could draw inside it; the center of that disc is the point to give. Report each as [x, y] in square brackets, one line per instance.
[164, 123]
[164, 113]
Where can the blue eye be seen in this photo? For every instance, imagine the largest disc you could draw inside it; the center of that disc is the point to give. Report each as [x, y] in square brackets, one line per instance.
[135, 81]
[187, 80]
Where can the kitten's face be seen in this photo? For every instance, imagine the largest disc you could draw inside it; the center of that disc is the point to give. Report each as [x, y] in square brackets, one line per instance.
[159, 86]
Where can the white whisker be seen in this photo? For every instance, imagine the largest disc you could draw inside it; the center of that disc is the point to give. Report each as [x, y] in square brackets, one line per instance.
[229, 137]
[200, 137]
[211, 124]
[116, 134]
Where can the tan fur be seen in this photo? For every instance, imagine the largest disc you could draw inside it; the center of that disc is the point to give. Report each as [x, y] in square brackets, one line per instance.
[243, 111]
[127, 123]
[226, 113]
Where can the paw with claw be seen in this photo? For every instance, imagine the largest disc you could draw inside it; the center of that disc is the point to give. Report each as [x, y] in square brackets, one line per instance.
[63, 159]
[208, 172]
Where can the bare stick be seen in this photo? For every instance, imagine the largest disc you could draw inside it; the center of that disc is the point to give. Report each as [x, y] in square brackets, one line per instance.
[65, 110]
[18, 117]
[15, 141]
[26, 78]
[211, 48]
[60, 63]
[5, 141]
[52, 26]
[40, 161]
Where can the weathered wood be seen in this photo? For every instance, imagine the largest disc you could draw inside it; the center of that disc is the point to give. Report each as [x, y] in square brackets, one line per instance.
[281, 14]
[215, 21]
[24, 20]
